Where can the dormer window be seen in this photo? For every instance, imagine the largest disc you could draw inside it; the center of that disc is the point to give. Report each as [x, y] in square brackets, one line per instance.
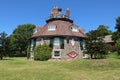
[35, 30]
[74, 29]
[51, 27]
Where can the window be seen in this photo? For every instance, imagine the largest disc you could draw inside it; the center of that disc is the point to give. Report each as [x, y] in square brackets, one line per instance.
[74, 28]
[56, 53]
[51, 27]
[56, 41]
[35, 30]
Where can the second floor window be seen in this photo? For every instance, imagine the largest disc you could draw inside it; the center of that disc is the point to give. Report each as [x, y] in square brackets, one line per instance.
[51, 27]
[35, 30]
[74, 29]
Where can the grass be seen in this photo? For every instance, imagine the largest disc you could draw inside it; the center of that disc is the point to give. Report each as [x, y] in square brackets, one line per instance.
[80, 69]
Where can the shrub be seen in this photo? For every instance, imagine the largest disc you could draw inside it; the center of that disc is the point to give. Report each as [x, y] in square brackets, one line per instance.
[42, 52]
[113, 55]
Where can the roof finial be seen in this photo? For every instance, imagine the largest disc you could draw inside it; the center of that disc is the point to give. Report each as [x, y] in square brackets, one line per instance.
[68, 12]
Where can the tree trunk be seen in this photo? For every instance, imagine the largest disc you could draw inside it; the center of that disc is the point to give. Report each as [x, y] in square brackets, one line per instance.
[1, 56]
[91, 56]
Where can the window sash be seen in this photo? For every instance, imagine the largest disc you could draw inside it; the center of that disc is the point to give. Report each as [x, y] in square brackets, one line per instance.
[56, 53]
[51, 27]
[56, 41]
[75, 29]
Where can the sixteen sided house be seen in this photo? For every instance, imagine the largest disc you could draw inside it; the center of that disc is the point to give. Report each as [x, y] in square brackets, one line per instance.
[66, 38]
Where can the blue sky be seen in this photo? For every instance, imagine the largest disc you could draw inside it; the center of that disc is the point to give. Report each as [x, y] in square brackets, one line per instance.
[88, 14]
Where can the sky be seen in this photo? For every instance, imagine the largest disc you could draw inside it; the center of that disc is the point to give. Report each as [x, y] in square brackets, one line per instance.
[87, 14]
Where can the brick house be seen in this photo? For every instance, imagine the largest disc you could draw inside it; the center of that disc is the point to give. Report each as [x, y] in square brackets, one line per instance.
[66, 38]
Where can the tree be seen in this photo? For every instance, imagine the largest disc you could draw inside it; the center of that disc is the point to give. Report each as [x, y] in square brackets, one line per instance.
[19, 38]
[103, 31]
[95, 45]
[116, 34]
[118, 24]
[3, 40]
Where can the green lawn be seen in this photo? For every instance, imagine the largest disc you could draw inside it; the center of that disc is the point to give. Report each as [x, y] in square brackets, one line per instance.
[82, 69]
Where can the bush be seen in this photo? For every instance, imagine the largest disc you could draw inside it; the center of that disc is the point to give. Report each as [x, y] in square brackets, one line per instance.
[42, 52]
[113, 55]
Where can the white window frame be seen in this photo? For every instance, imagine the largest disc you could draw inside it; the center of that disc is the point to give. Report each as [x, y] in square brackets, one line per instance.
[51, 27]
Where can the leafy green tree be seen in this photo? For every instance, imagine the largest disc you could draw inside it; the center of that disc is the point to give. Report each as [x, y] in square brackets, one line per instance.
[42, 52]
[116, 34]
[103, 31]
[3, 40]
[95, 45]
[19, 38]
[118, 24]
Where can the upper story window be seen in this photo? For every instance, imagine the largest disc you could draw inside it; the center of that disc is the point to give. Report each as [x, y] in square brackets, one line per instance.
[35, 30]
[51, 27]
[74, 28]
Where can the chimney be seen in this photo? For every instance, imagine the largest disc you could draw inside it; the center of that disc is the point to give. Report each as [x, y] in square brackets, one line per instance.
[55, 10]
[68, 12]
